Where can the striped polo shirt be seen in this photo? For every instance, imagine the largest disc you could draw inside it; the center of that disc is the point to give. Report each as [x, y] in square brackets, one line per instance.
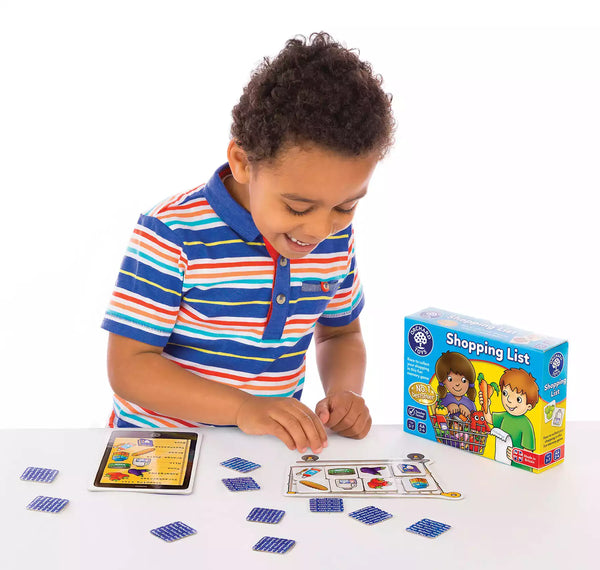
[200, 281]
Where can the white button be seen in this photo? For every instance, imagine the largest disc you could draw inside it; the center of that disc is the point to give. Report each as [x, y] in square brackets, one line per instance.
[280, 299]
[283, 261]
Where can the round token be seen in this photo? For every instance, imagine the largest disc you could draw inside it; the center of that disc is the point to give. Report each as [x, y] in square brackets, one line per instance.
[416, 456]
[310, 458]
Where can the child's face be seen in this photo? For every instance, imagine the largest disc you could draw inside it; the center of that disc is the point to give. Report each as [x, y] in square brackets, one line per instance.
[456, 384]
[514, 402]
[306, 196]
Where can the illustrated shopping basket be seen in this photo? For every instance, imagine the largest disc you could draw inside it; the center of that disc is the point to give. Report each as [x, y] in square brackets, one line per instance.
[456, 431]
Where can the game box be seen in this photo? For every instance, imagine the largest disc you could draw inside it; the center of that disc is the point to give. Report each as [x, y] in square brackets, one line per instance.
[491, 390]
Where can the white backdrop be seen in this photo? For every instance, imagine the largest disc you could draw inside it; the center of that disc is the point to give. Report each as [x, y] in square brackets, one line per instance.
[486, 206]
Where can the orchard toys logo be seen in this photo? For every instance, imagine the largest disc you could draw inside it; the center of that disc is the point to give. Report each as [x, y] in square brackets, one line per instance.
[556, 364]
[420, 340]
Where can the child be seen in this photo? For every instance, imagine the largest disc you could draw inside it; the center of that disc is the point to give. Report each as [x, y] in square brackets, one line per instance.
[520, 394]
[222, 287]
[456, 383]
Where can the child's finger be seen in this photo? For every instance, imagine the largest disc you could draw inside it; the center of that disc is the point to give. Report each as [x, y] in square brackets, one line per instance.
[281, 433]
[322, 411]
[345, 413]
[360, 429]
[313, 430]
[302, 429]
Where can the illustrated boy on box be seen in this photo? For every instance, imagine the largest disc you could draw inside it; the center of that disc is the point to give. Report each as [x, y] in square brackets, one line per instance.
[222, 287]
[520, 394]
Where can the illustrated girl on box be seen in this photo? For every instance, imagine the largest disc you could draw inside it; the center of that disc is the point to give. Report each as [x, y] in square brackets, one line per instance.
[456, 384]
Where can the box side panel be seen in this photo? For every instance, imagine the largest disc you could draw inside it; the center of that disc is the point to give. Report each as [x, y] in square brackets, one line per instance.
[419, 396]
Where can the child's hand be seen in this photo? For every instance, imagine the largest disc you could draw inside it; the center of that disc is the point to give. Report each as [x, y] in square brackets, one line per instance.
[285, 418]
[465, 411]
[345, 413]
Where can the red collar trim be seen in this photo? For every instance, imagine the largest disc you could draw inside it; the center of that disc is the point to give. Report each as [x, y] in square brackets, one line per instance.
[272, 252]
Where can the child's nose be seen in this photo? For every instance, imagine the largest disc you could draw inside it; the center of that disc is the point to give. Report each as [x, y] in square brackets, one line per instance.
[322, 227]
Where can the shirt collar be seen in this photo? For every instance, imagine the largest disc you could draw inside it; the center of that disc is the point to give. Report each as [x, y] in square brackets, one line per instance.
[234, 215]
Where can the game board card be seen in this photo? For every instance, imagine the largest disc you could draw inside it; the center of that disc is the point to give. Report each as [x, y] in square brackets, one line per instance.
[39, 474]
[428, 528]
[407, 469]
[311, 486]
[270, 516]
[47, 504]
[380, 485]
[241, 484]
[314, 473]
[370, 515]
[326, 505]
[348, 485]
[241, 465]
[376, 470]
[341, 472]
[419, 483]
[173, 531]
[273, 544]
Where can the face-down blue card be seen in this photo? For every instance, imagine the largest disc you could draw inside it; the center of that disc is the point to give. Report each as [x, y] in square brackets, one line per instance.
[370, 515]
[271, 516]
[428, 528]
[47, 504]
[241, 484]
[273, 544]
[239, 464]
[173, 531]
[326, 505]
[39, 474]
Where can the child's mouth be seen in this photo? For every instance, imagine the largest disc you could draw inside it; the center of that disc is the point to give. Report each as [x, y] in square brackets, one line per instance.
[298, 245]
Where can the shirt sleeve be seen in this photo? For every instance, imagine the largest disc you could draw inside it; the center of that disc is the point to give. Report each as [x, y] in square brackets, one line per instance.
[348, 301]
[146, 298]
[528, 439]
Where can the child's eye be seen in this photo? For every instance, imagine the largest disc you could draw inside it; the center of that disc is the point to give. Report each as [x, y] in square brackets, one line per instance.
[449, 378]
[296, 212]
[519, 399]
[504, 393]
[464, 380]
[348, 210]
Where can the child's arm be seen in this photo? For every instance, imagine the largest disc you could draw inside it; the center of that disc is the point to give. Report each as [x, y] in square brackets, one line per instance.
[341, 359]
[139, 373]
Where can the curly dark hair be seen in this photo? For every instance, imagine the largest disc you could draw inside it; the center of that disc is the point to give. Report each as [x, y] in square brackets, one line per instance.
[314, 91]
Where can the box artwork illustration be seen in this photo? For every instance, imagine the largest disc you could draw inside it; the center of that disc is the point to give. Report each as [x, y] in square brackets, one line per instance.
[487, 389]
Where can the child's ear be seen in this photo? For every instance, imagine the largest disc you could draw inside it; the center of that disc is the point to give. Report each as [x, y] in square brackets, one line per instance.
[238, 162]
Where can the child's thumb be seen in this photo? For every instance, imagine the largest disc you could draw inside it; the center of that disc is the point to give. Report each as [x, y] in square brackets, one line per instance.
[322, 411]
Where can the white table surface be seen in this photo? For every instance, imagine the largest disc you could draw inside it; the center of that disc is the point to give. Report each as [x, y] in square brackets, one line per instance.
[508, 518]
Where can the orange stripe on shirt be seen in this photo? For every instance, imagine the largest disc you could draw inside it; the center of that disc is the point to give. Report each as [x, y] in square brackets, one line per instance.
[141, 313]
